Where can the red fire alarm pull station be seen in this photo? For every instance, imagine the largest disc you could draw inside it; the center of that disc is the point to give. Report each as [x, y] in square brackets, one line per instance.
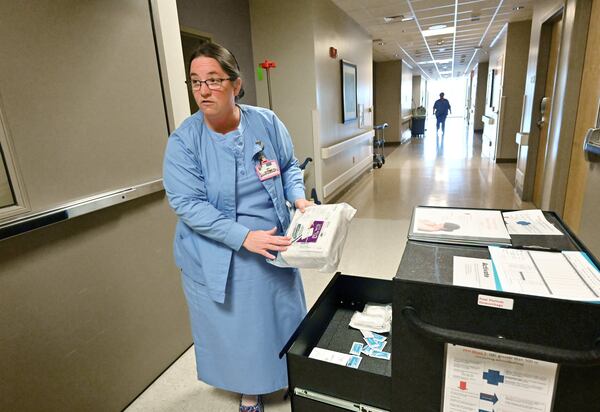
[268, 65]
[332, 52]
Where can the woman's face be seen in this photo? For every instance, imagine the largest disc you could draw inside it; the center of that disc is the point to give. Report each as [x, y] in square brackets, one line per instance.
[213, 102]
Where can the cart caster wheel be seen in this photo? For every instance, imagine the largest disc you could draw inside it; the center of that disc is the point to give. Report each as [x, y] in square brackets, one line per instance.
[383, 161]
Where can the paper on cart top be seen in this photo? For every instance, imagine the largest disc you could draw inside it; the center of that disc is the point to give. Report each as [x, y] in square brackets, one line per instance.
[567, 275]
[459, 223]
[529, 222]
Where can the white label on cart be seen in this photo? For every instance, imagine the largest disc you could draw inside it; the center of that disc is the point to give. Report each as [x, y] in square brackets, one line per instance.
[480, 380]
[495, 302]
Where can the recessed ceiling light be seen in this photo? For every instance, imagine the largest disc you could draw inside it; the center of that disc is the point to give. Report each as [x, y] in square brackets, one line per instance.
[438, 32]
[390, 19]
[517, 8]
[381, 43]
[438, 27]
[440, 61]
[440, 42]
[443, 49]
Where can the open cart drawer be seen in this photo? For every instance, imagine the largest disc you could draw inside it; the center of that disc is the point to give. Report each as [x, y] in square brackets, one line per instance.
[320, 386]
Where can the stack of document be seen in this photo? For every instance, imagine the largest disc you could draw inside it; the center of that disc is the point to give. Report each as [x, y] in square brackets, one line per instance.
[562, 275]
[458, 226]
[566, 275]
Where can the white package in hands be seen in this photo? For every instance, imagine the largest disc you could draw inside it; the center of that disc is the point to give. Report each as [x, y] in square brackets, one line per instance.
[318, 237]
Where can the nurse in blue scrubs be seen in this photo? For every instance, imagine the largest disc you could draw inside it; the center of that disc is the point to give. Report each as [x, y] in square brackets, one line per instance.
[228, 171]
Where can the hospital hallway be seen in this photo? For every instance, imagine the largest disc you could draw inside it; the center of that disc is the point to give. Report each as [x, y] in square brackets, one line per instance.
[424, 171]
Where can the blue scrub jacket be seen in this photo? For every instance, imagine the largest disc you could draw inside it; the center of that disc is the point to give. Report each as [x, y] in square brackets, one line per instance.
[199, 176]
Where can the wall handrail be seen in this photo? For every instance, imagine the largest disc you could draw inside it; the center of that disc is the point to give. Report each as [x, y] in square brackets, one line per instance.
[80, 207]
[330, 151]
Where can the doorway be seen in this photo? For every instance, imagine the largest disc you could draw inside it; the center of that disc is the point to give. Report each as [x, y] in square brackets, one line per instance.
[190, 40]
[454, 89]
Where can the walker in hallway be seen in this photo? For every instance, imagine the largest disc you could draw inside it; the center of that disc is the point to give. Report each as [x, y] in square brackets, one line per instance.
[378, 145]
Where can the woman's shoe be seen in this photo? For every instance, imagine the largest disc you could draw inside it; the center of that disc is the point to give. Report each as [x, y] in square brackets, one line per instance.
[259, 407]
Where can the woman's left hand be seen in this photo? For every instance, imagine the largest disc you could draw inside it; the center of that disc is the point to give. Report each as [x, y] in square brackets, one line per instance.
[302, 204]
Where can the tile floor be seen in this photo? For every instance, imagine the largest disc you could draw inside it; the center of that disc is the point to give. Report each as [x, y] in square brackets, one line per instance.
[427, 171]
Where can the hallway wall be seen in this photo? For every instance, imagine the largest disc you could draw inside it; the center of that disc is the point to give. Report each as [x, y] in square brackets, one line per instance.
[306, 85]
[229, 25]
[481, 79]
[406, 93]
[508, 59]
[388, 83]
[91, 309]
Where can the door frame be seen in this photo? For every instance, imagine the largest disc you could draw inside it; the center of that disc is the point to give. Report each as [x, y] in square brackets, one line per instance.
[541, 74]
[576, 17]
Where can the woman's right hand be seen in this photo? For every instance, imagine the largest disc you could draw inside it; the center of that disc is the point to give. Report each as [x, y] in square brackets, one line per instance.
[261, 241]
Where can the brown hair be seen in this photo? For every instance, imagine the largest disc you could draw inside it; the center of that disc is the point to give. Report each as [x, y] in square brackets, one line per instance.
[226, 60]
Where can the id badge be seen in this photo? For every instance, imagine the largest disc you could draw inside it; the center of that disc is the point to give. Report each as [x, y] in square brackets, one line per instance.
[267, 169]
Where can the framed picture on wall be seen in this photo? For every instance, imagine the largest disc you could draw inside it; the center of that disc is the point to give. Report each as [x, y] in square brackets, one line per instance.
[349, 106]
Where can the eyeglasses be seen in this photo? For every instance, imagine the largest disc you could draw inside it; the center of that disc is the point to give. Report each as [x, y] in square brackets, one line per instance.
[212, 84]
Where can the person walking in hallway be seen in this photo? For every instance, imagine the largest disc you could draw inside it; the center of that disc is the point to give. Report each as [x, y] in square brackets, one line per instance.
[441, 108]
[228, 171]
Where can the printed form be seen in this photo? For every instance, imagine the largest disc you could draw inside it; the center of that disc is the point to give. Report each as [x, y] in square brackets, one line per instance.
[529, 222]
[480, 380]
[473, 273]
[566, 275]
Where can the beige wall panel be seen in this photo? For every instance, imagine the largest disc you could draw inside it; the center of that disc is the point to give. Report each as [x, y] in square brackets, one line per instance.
[307, 79]
[482, 71]
[513, 87]
[80, 79]
[566, 97]
[582, 200]
[91, 309]
[406, 97]
[229, 25]
[282, 32]
[491, 131]
[388, 80]
[588, 229]
[535, 85]
[416, 91]
[334, 28]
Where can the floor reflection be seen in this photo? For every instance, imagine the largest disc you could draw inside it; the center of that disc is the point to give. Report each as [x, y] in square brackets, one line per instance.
[435, 170]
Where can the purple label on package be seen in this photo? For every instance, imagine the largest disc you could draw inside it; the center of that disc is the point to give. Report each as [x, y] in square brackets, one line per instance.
[316, 226]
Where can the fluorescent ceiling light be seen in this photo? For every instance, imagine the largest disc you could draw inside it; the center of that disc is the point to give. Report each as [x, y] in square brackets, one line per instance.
[430, 32]
[409, 18]
[436, 61]
[438, 27]
[447, 72]
[389, 19]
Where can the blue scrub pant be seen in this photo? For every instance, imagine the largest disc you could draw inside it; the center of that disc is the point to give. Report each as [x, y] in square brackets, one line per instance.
[441, 121]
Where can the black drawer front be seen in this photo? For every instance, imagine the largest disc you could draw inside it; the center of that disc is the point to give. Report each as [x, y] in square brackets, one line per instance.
[371, 383]
[419, 359]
